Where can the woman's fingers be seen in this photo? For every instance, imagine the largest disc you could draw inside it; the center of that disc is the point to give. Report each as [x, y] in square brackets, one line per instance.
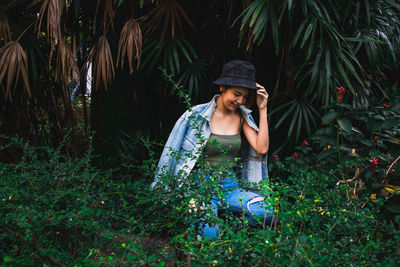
[261, 90]
[262, 93]
[259, 85]
[262, 96]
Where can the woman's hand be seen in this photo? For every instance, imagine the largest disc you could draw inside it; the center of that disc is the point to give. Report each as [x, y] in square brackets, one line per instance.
[262, 97]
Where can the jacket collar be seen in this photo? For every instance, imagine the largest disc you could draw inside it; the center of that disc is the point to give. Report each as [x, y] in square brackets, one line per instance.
[210, 107]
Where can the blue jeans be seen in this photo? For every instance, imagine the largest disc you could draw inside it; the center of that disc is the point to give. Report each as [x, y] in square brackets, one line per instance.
[239, 201]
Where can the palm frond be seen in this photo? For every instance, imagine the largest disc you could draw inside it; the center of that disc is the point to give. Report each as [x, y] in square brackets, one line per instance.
[103, 63]
[4, 29]
[167, 53]
[13, 63]
[54, 11]
[15, 2]
[108, 15]
[65, 63]
[193, 77]
[167, 12]
[130, 42]
[257, 17]
[302, 113]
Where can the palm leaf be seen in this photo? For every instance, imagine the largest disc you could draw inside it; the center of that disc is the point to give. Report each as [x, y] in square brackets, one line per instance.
[257, 16]
[108, 15]
[130, 44]
[167, 53]
[167, 13]
[344, 76]
[298, 33]
[283, 117]
[294, 120]
[328, 74]
[54, 11]
[13, 63]
[307, 33]
[103, 63]
[65, 63]
[4, 29]
[299, 123]
[193, 76]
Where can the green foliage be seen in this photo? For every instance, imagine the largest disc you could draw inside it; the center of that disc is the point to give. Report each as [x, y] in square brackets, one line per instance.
[321, 44]
[325, 41]
[56, 207]
[359, 142]
[167, 53]
[63, 211]
[51, 206]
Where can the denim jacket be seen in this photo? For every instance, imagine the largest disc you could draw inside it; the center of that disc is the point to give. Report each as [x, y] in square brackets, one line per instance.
[191, 133]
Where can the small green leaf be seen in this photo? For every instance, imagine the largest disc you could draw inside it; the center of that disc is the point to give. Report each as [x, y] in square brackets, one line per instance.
[120, 2]
[345, 124]
[328, 117]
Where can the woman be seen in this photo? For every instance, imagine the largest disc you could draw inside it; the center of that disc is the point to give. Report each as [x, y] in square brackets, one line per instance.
[227, 132]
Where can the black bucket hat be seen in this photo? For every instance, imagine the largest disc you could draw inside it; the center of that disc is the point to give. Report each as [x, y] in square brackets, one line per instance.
[238, 73]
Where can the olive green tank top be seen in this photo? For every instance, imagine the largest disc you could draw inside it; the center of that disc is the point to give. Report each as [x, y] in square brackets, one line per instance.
[221, 149]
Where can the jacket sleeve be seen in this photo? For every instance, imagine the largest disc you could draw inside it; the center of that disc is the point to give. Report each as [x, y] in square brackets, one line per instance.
[173, 145]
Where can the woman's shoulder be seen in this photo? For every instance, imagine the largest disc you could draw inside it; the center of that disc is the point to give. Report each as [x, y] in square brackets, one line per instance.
[197, 108]
[200, 107]
[194, 110]
[201, 110]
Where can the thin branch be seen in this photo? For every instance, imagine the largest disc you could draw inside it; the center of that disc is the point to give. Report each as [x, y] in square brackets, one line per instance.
[24, 31]
[36, 246]
[391, 165]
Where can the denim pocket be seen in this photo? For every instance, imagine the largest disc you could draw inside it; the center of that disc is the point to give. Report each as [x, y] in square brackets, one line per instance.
[186, 153]
[187, 145]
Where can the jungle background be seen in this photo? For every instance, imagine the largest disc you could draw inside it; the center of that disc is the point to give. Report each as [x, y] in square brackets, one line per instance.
[75, 165]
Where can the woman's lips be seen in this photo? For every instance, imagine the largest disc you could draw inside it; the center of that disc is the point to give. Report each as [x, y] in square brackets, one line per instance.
[235, 106]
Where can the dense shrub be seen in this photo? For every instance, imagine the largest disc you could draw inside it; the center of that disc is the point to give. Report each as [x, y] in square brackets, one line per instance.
[56, 210]
[335, 199]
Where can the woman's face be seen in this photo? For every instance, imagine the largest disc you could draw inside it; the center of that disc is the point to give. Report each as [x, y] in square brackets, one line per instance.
[233, 97]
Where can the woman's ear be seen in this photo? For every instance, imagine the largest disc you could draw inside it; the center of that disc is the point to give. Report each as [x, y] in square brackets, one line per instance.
[221, 88]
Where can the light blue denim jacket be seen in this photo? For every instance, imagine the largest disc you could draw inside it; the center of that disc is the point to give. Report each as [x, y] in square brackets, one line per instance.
[191, 133]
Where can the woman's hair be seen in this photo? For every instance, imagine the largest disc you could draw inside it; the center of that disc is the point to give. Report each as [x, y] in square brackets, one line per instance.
[250, 99]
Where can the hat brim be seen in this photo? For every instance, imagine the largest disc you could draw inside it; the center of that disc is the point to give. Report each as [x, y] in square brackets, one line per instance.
[236, 82]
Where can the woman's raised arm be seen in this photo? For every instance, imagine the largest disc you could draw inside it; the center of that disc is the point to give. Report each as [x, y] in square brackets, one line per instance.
[259, 140]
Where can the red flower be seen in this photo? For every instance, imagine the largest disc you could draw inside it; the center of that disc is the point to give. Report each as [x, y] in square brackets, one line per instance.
[274, 157]
[374, 163]
[341, 90]
[385, 106]
[295, 156]
[340, 94]
[304, 144]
